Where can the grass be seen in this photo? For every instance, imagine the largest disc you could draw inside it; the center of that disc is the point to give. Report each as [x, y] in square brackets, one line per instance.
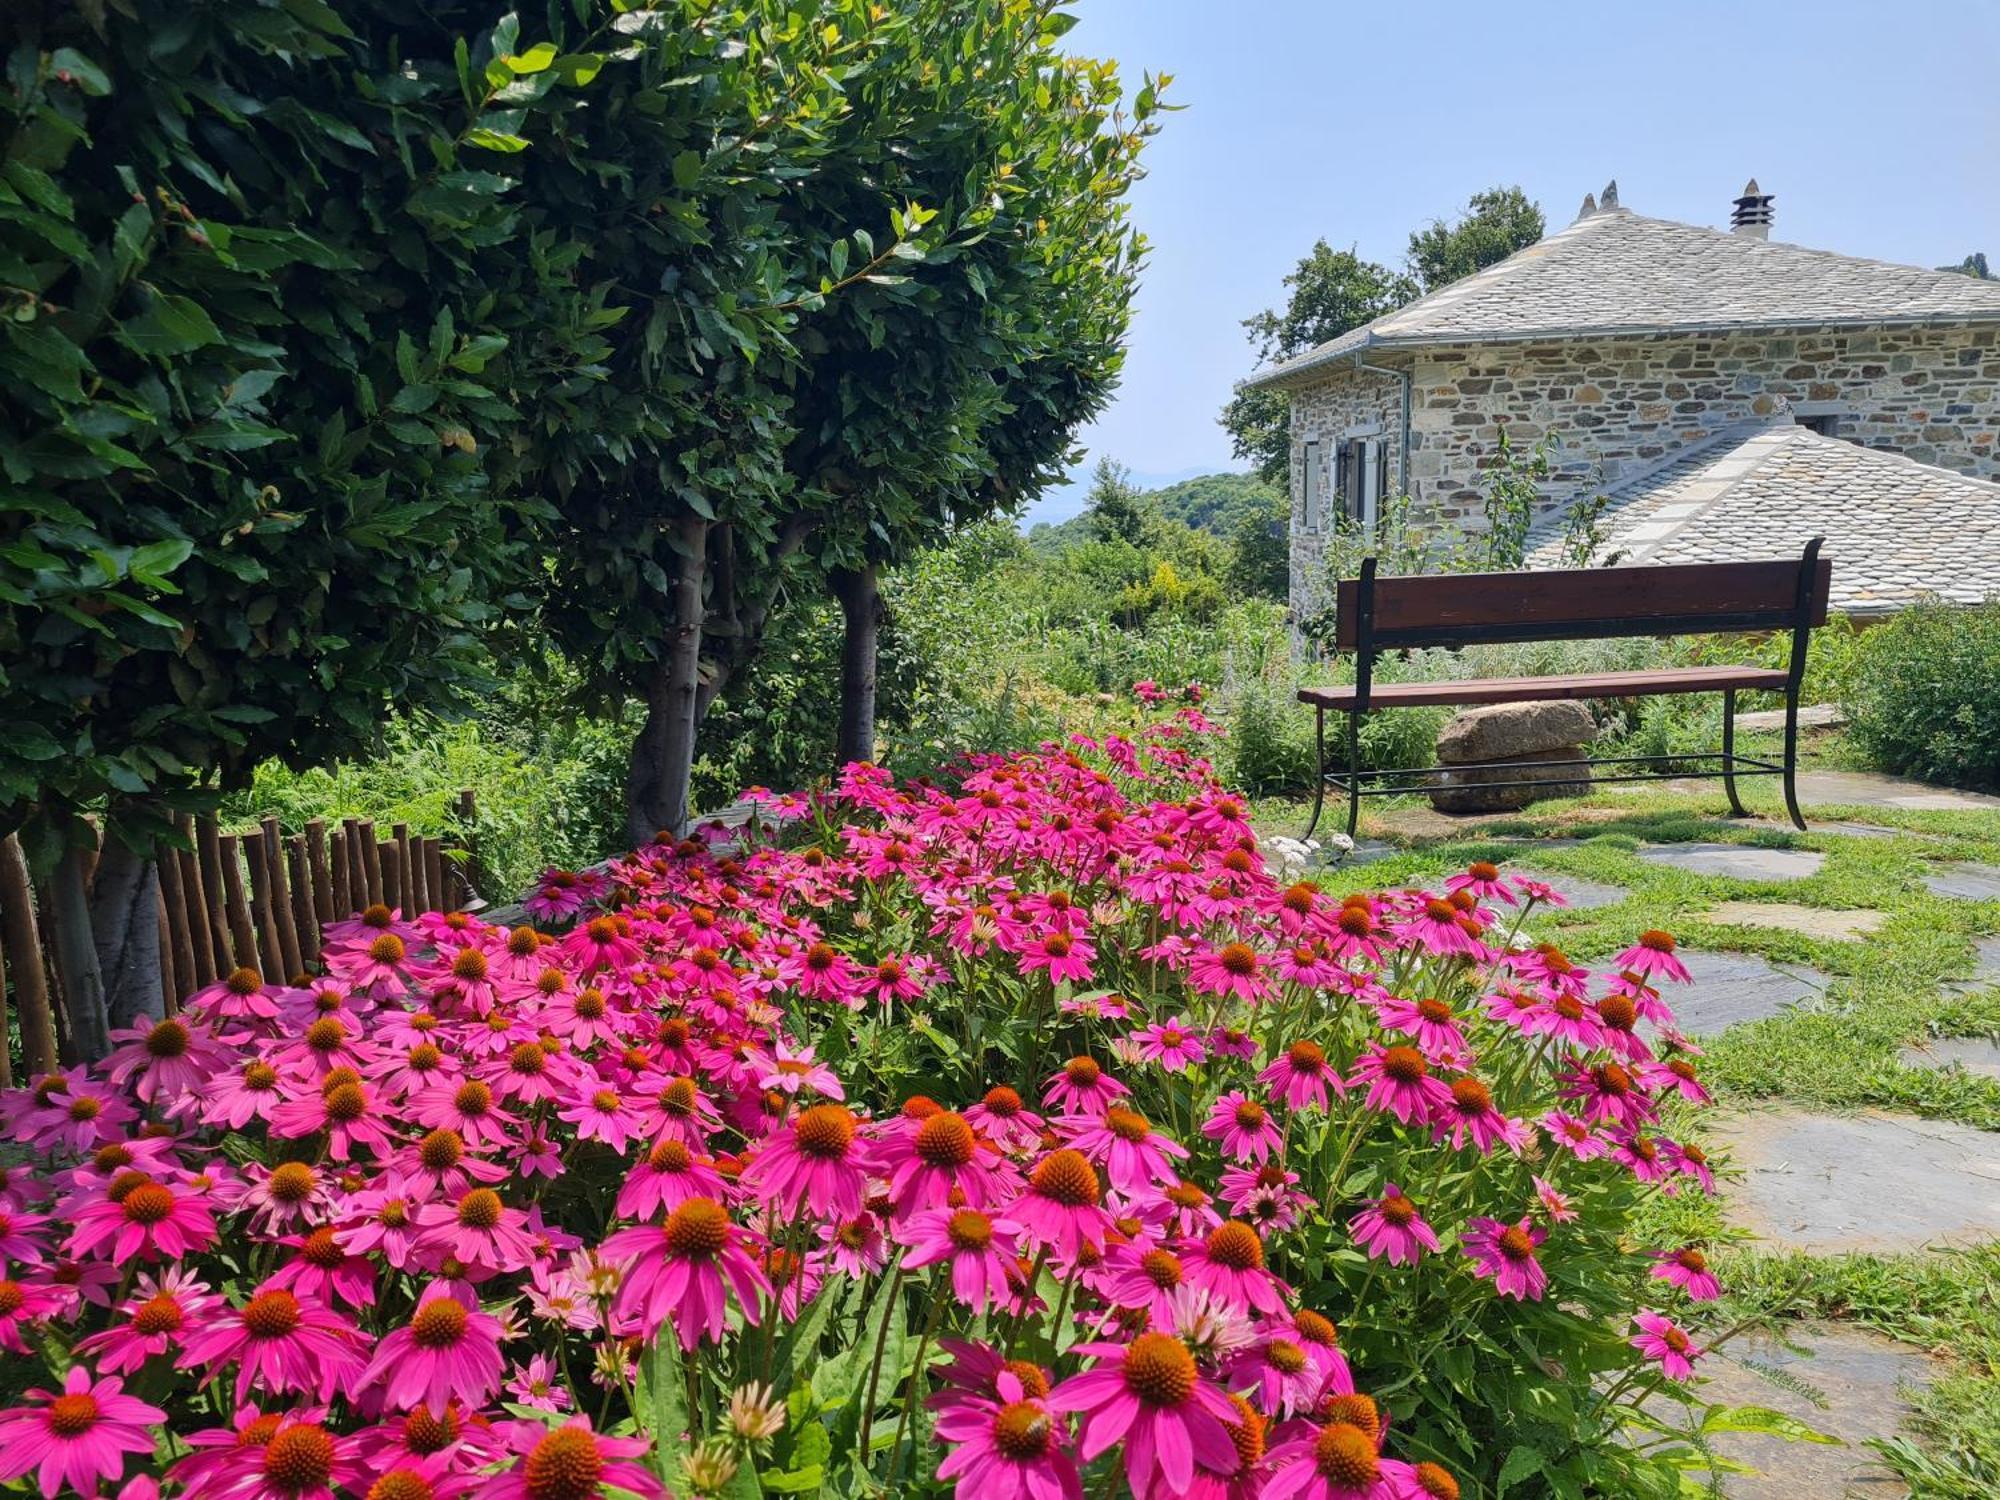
[1887, 990]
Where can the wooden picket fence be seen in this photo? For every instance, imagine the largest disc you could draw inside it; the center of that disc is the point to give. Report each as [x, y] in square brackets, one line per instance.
[253, 898]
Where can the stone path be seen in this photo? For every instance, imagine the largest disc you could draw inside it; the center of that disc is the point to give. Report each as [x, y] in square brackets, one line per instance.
[1965, 880]
[1872, 789]
[1811, 716]
[1583, 895]
[1873, 1182]
[1985, 968]
[1731, 988]
[1809, 921]
[1975, 1054]
[1862, 1376]
[1738, 861]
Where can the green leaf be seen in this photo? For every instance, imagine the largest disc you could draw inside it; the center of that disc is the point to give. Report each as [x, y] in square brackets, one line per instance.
[71, 66]
[1523, 1461]
[687, 169]
[1763, 1419]
[534, 60]
[495, 140]
[30, 741]
[662, 1403]
[152, 562]
[171, 325]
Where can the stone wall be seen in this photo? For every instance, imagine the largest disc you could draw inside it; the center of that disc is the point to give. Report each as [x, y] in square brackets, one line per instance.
[1354, 404]
[1622, 407]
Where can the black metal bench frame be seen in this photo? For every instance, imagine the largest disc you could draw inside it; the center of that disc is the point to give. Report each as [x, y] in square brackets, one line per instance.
[1660, 601]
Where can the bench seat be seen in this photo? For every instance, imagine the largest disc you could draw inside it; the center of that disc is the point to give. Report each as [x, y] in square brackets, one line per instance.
[1575, 685]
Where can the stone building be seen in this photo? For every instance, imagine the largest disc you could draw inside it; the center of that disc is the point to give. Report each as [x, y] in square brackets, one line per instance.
[1672, 361]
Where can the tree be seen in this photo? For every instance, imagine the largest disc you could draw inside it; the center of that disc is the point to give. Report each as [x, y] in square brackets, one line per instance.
[1116, 510]
[1974, 265]
[1332, 291]
[1260, 560]
[1494, 225]
[255, 404]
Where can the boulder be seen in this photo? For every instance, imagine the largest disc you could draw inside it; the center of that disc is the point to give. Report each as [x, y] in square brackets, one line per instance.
[1468, 789]
[1514, 731]
[1531, 733]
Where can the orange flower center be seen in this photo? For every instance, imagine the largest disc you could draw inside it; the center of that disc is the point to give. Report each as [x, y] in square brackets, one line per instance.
[1159, 1370]
[168, 1039]
[824, 1132]
[1065, 1177]
[1082, 1071]
[945, 1140]
[1127, 1124]
[969, 1229]
[479, 1209]
[149, 1203]
[439, 1323]
[1023, 1432]
[292, 1182]
[271, 1315]
[1404, 1064]
[698, 1229]
[1236, 1246]
[1346, 1456]
[72, 1415]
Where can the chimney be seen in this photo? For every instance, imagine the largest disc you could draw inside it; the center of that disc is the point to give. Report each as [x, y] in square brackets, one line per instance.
[1608, 199]
[1589, 206]
[1752, 215]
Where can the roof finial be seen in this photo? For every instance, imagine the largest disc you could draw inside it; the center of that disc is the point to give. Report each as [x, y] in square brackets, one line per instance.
[1751, 215]
[1609, 198]
[1589, 206]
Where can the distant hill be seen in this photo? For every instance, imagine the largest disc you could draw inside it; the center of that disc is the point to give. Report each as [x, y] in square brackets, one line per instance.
[1214, 503]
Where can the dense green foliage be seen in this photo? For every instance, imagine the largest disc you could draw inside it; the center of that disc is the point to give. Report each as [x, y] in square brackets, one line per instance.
[1925, 693]
[1332, 291]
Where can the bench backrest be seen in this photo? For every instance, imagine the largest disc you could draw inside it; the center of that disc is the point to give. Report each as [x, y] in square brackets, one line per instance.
[1459, 609]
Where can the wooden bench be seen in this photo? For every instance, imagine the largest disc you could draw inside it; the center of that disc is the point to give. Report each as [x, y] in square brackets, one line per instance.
[1374, 615]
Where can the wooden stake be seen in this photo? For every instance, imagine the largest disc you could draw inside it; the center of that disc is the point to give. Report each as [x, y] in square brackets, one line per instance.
[23, 942]
[179, 940]
[215, 891]
[195, 902]
[280, 888]
[471, 877]
[305, 921]
[242, 934]
[323, 890]
[371, 854]
[391, 859]
[434, 875]
[406, 873]
[170, 984]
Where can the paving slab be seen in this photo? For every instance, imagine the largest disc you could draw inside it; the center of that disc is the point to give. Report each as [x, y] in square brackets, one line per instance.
[1731, 988]
[1985, 968]
[1872, 789]
[1811, 716]
[1738, 861]
[1965, 880]
[1865, 830]
[1975, 1054]
[1863, 1378]
[1809, 921]
[1872, 1182]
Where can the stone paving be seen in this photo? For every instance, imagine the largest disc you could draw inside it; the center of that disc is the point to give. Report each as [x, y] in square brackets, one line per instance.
[1737, 861]
[1965, 880]
[1985, 968]
[1731, 988]
[1975, 1054]
[1808, 921]
[1863, 1378]
[1584, 895]
[1872, 1182]
[1872, 789]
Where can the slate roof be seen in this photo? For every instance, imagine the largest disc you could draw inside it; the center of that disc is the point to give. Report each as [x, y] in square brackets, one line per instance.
[1896, 529]
[1617, 273]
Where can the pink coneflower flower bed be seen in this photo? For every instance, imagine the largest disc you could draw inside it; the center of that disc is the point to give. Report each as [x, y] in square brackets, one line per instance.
[1011, 1135]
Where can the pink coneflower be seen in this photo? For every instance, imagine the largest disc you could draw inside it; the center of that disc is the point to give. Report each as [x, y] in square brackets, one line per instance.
[1229, 1264]
[682, 1272]
[557, 896]
[1336, 1461]
[1431, 1022]
[291, 1193]
[1555, 1203]
[1301, 1076]
[22, 1306]
[449, 1349]
[1063, 1206]
[941, 1162]
[1279, 1371]
[790, 1070]
[1690, 1160]
[1392, 1228]
[1482, 878]
[856, 1247]
[1233, 969]
[1470, 1115]
[1001, 1115]
[1243, 1128]
[1174, 1045]
[535, 1384]
[147, 1219]
[1687, 1268]
[1134, 1156]
[278, 1342]
[236, 1098]
[1434, 927]
[326, 1270]
[1151, 1395]
[1142, 1276]
[1400, 1083]
[77, 1438]
[155, 1314]
[603, 1115]
[1575, 1136]
[572, 1463]
[1506, 1253]
[980, 1250]
[1008, 1448]
[163, 1062]
[1608, 1094]
[1065, 957]
[479, 1231]
[1661, 1338]
[1082, 1087]
[819, 1162]
[669, 1175]
[1676, 1074]
[467, 1107]
[1653, 954]
[343, 1112]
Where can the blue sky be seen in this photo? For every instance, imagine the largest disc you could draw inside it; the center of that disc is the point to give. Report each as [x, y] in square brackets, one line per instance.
[1877, 127]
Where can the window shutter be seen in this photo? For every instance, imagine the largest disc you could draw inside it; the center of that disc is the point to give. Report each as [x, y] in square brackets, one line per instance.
[1351, 494]
[1309, 507]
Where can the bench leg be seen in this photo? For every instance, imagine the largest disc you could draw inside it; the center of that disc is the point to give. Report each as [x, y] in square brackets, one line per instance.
[1736, 808]
[1319, 770]
[1353, 772]
[1792, 758]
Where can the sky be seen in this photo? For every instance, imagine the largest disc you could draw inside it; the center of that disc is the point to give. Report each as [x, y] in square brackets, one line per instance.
[1876, 126]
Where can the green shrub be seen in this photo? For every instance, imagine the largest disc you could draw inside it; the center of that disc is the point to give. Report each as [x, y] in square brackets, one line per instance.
[1925, 695]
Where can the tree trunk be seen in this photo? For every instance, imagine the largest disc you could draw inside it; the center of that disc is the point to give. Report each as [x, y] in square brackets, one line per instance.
[656, 784]
[23, 942]
[125, 928]
[860, 594]
[76, 956]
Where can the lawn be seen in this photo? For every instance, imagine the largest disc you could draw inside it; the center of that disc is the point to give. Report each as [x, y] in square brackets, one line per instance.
[1888, 989]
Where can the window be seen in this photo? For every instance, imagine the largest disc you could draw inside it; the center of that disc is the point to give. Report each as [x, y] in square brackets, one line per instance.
[1363, 479]
[1825, 423]
[1309, 512]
